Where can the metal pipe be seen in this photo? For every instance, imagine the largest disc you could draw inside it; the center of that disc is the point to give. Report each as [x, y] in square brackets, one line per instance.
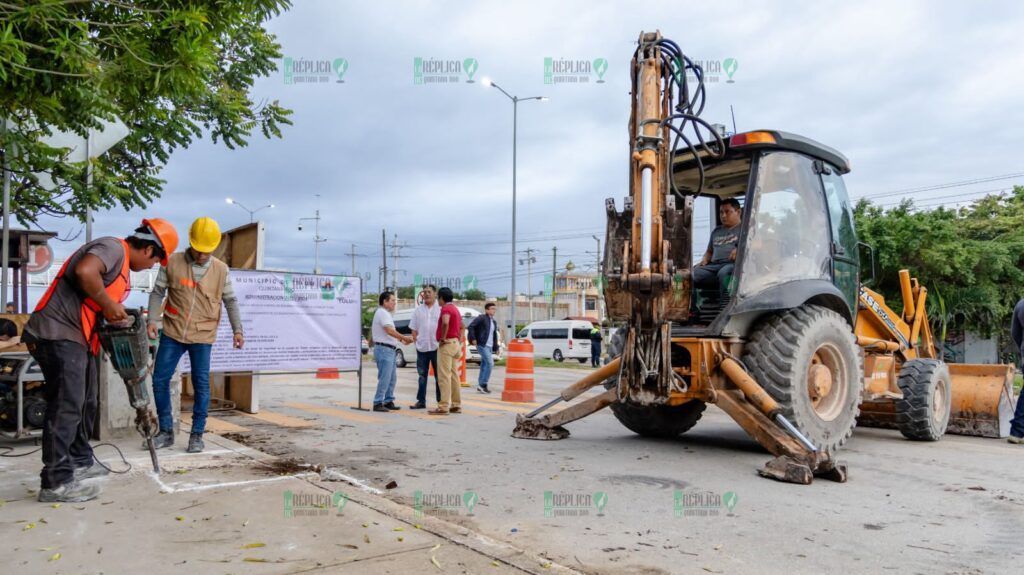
[7, 233]
[908, 296]
[646, 219]
[795, 432]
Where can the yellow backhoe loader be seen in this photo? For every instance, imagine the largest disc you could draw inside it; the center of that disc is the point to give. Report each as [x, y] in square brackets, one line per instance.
[773, 341]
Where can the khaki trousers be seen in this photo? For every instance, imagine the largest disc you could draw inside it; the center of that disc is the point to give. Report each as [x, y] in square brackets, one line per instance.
[448, 354]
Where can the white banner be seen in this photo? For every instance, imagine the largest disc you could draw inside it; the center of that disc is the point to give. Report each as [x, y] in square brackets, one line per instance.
[291, 322]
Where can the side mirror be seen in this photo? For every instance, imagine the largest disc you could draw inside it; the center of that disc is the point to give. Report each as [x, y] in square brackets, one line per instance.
[866, 249]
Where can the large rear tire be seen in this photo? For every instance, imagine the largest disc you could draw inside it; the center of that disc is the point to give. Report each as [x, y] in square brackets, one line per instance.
[665, 421]
[922, 413]
[808, 360]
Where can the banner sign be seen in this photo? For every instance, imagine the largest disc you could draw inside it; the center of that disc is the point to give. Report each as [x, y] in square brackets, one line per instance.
[291, 322]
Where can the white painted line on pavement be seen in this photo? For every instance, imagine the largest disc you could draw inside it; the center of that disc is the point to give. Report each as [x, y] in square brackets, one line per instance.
[168, 489]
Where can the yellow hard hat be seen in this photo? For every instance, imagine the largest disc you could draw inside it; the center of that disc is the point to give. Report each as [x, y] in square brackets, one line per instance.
[204, 235]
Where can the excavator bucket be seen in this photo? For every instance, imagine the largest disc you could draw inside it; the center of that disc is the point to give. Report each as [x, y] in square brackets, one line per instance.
[982, 399]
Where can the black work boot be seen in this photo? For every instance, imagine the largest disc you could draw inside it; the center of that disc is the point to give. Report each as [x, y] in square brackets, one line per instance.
[73, 491]
[195, 443]
[161, 440]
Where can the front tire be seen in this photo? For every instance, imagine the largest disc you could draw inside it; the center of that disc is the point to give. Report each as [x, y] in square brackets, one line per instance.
[399, 358]
[808, 360]
[922, 413]
[557, 356]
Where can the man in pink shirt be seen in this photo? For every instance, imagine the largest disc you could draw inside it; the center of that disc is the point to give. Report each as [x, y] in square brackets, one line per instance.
[449, 350]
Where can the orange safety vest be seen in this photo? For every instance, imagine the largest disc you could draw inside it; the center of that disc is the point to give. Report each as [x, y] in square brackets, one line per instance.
[117, 290]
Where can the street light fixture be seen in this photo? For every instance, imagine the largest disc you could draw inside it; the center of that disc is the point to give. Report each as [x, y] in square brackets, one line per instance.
[487, 82]
[252, 213]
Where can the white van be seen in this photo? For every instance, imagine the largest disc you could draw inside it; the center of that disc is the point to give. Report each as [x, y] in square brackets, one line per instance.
[559, 340]
[406, 353]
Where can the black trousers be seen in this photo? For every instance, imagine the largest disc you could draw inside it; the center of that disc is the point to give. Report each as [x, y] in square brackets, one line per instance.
[72, 387]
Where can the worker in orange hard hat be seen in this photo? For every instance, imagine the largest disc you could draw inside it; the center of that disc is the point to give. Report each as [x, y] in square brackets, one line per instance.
[61, 337]
[194, 283]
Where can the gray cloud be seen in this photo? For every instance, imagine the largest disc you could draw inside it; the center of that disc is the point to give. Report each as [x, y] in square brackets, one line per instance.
[914, 93]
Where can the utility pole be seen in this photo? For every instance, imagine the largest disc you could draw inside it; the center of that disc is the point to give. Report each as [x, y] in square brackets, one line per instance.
[352, 253]
[598, 278]
[554, 267]
[395, 256]
[317, 240]
[384, 259]
[529, 260]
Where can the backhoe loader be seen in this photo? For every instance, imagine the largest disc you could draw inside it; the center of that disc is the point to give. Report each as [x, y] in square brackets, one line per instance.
[775, 345]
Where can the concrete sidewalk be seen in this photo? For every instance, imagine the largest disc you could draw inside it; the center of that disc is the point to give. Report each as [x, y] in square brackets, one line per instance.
[227, 511]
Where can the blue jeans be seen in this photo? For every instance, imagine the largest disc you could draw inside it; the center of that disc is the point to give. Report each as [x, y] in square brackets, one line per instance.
[486, 362]
[1017, 423]
[424, 359]
[386, 374]
[167, 357]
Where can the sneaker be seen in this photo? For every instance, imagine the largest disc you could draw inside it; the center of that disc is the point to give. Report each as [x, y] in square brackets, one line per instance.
[380, 407]
[487, 389]
[1015, 440]
[71, 492]
[161, 440]
[481, 389]
[418, 406]
[91, 471]
[195, 443]
[391, 405]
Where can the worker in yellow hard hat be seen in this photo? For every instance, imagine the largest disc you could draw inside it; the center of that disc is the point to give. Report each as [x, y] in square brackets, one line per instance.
[195, 284]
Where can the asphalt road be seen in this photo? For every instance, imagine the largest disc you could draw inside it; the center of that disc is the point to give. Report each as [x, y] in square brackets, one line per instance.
[607, 501]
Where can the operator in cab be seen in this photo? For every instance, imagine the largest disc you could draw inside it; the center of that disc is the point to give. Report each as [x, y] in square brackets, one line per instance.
[716, 267]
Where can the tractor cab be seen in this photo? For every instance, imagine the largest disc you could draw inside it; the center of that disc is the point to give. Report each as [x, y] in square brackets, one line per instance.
[792, 242]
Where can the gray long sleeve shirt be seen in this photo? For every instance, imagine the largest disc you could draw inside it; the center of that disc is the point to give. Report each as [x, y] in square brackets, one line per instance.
[156, 297]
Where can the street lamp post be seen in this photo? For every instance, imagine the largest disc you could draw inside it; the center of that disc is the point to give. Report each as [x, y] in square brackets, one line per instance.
[515, 117]
[252, 213]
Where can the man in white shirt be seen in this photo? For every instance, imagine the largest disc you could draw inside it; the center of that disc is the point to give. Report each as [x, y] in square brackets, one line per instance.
[385, 344]
[424, 327]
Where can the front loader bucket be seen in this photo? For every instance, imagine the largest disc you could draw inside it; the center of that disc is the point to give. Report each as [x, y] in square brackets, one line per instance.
[982, 399]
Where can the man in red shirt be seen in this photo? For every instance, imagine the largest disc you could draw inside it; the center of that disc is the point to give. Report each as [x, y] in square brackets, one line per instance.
[449, 350]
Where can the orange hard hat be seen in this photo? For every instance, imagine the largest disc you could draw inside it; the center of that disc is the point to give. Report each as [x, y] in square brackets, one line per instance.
[165, 234]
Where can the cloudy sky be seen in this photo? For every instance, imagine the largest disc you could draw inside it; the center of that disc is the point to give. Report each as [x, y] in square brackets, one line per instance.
[916, 94]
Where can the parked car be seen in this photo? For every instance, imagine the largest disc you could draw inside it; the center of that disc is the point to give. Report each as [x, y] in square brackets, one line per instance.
[559, 340]
[365, 345]
[406, 353]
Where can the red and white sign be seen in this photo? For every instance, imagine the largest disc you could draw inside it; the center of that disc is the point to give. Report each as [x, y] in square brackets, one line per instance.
[40, 258]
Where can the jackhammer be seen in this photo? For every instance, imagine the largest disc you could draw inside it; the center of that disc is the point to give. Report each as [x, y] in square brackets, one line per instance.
[127, 345]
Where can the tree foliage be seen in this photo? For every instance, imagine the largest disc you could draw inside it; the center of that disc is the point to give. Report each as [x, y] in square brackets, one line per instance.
[169, 69]
[971, 259]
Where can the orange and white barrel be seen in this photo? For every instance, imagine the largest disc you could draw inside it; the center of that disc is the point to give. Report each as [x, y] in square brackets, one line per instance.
[518, 371]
